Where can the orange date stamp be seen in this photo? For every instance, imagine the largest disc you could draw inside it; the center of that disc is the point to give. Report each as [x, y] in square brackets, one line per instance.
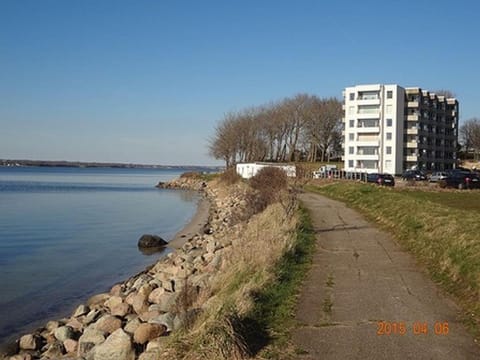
[416, 328]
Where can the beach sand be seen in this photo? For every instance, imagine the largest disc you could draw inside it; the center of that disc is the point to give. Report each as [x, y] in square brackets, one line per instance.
[195, 226]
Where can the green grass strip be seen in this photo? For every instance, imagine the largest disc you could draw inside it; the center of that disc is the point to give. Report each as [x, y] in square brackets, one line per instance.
[272, 317]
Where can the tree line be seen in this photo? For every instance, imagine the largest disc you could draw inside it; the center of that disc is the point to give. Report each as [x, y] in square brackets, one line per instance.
[299, 128]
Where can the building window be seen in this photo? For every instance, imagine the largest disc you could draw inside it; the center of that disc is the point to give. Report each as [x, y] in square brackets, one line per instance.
[350, 163]
[389, 109]
[351, 123]
[352, 96]
[389, 136]
[389, 94]
[389, 122]
[350, 150]
[351, 137]
[351, 110]
[389, 150]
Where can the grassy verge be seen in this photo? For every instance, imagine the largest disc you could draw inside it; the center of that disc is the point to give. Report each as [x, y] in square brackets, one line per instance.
[247, 308]
[442, 230]
[274, 306]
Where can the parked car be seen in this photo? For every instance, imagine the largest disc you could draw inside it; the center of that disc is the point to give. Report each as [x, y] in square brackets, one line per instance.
[437, 176]
[462, 179]
[416, 175]
[381, 179]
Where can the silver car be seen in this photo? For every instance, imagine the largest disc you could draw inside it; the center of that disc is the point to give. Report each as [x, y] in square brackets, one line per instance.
[437, 176]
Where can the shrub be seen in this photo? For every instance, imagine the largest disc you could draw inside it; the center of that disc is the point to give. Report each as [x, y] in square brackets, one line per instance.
[269, 184]
[230, 176]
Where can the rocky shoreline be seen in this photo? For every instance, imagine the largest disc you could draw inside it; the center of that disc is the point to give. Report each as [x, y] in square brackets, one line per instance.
[133, 320]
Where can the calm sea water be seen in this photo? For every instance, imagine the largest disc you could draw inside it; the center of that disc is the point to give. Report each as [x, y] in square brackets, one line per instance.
[68, 233]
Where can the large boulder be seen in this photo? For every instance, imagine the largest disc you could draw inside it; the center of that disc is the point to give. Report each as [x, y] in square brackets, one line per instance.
[90, 338]
[29, 342]
[148, 241]
[108, 324]
[146, 332]
[118, 346]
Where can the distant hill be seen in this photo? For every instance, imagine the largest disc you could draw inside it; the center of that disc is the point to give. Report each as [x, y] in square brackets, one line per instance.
[53, 163]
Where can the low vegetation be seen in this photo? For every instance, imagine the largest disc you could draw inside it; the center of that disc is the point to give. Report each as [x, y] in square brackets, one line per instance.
[248, 309]
[440, 228]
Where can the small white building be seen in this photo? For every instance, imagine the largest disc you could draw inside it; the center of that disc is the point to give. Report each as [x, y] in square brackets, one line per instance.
[248, 170]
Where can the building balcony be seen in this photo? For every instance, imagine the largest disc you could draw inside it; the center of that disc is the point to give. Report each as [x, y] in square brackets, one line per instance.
[412, 104]
[412, 131]
[370, 130]
[368, 115]
[368, 143]
[368, 101]
[411, 144]
[366, 157]
[413, 117]
[411, 158]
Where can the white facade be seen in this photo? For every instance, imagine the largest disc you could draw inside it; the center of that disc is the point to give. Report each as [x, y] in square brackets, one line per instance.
[248, 170]
[374, 121]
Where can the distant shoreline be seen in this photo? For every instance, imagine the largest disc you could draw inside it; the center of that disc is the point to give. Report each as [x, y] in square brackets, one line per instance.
[81, 164]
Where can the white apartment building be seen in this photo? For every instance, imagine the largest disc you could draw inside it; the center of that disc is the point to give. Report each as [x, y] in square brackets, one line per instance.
[374, 119]
[389, 129]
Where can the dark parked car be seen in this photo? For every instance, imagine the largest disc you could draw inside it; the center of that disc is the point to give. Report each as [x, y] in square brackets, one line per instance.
[381, 179]
[416, 175]
[462, 179]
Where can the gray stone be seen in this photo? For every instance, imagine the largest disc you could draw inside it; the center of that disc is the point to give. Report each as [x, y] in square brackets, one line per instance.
[75, 323]
[91, 317]
[52, 325]
[150, 314]
[90, 338]
[141, 280]
[108, 324]
[54, 351]
[29, 342]
[120, 310]
[63, 333]
[146, 332]
[132, 325]
[166, 319]
[98, 300]
[153, 354]
[113, 301]
[81, 310]
[155, 295]
[139, 303]
[116, 290]
[24, 356]
[118, 346]
[70, 345]
[166, 302]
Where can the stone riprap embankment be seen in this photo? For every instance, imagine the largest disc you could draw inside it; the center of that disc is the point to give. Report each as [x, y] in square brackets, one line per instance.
[136, 317]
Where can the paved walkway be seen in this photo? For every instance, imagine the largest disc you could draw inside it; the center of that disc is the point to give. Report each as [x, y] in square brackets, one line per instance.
[360, 278]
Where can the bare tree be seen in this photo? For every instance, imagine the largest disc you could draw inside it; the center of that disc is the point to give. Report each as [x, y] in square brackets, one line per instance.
[470, 135]
[447, 93]
[295, 112]
[223, 145]
[323, 127]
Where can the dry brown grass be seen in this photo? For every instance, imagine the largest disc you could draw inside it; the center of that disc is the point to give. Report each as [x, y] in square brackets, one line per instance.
[247, 266]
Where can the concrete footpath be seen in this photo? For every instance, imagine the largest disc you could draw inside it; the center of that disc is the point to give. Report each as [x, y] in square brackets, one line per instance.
[365, 298]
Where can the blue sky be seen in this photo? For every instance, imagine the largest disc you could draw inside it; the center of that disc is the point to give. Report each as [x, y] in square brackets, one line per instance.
[146, 81]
